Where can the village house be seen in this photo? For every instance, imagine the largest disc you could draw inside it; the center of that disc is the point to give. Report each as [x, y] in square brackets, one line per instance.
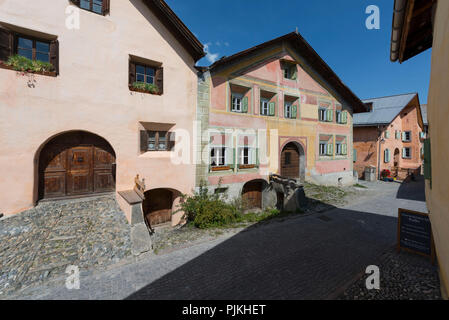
[276, 108]
[390, 136]
[97, 105]
[417, 26]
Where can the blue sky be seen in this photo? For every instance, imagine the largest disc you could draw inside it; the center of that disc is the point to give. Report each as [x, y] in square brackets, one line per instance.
[334, 28]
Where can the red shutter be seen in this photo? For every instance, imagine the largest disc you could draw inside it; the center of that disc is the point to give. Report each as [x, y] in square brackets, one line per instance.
[143, 141]
[54, 55]
[160, 79]
[132, 72]
[105, 7]
[6, 44]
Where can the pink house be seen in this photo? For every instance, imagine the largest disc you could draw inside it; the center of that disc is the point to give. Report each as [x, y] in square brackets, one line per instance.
[115, 85]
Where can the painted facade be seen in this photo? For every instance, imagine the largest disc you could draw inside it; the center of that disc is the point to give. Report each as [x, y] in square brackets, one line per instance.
[253, 102]
[91, 94]
[396, 146]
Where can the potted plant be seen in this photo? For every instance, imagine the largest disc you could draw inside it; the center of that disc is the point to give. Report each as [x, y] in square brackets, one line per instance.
[23, 64]
[145, 87]
[386, 175]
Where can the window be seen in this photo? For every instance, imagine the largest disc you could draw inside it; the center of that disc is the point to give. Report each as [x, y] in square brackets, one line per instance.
[387, 156]
[407, 153]
[96, 6]
[146, 78]
[407, 136]
[338, 115]
[288, 110]
[244, 156]
[236, 103]
[341, 117]
[387, 134]
[264, 107]
[218, 157]
[33, 49]
[323, 148]
[157, 141]
[145, 74]
[290, 71]
[338, 148]
[322, 114]
[325, 115]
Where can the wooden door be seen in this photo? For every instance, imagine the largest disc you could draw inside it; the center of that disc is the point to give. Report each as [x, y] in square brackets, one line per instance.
[74, 164]
[252, 195]
[290, 162]
[157, 206]
[80, 171]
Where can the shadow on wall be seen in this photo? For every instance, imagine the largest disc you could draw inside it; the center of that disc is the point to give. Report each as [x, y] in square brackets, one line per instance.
[306, 258]
[413, 190]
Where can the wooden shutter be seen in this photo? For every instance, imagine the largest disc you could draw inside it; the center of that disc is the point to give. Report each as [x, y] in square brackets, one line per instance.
[54, 55]
[143, 141]
[132, 73]
[106, 7]
[330, 115]
[354, 155]
[272, 107]
[344, 149]
[171, 141]
[427, 160]
[6, 44]
[245, 105]
[294, 112]
[160, 79]
[403, 137]
[344, 115]
[329, 149]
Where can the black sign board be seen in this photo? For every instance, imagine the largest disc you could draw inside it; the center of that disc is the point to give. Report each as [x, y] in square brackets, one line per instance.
[415, 233]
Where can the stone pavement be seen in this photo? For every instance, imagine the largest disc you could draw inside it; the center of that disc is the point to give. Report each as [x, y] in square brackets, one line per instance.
[306, 257]
[38, 245]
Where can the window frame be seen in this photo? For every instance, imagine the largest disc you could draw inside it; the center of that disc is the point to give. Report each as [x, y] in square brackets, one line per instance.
[322, 110]
[323, 143]
[405, 153]
[218, 157]
[234, 98]
[169, 137]
[105, 6]
[288, 105]
[262, 101]
[158, 75]
[409, 134]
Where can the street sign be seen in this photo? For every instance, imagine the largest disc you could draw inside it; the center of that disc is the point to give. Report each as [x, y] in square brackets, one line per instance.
[415, 233]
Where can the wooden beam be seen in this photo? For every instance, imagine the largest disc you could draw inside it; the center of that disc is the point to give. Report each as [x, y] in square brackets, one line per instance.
[423, 8]
[406, 29]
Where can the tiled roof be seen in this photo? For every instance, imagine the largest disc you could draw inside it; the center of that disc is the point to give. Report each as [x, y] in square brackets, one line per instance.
[385, 109]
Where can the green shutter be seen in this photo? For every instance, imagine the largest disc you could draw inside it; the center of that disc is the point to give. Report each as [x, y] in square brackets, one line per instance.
[232, 164]
[272, 108]
[245, 105]
[329, 116]
[294, 112]
[344, 117]
[330, 149]
[354, 155]
[403, 139]
[295, 73]
[344, 149]
[257, 157]
[387, 155]
[427, 160]
[387, 134]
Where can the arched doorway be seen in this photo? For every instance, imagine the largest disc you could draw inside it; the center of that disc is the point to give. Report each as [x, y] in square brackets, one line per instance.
[252, 194]
[76, 163]
[397, 156]
[293, 161]
[158, 206]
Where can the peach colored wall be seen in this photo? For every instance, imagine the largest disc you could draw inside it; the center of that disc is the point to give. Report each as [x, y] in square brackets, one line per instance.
[437, 190]
[366, 142]
[91, 93]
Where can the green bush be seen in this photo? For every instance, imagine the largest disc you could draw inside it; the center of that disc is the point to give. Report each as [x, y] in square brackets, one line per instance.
[146, 86]
[20, 63]
[207, 210]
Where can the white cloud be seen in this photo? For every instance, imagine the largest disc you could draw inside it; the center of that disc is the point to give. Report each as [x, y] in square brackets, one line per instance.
[211, 57]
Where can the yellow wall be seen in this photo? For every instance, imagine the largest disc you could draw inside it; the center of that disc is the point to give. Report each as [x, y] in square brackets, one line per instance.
[438, 115]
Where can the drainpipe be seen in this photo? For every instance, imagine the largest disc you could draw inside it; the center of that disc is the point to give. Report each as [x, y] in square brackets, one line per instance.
[380, 139]
[398, 22]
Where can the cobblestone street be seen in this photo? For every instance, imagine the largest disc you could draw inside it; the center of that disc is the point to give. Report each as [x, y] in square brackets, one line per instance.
[38, 245]
[305, 257]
